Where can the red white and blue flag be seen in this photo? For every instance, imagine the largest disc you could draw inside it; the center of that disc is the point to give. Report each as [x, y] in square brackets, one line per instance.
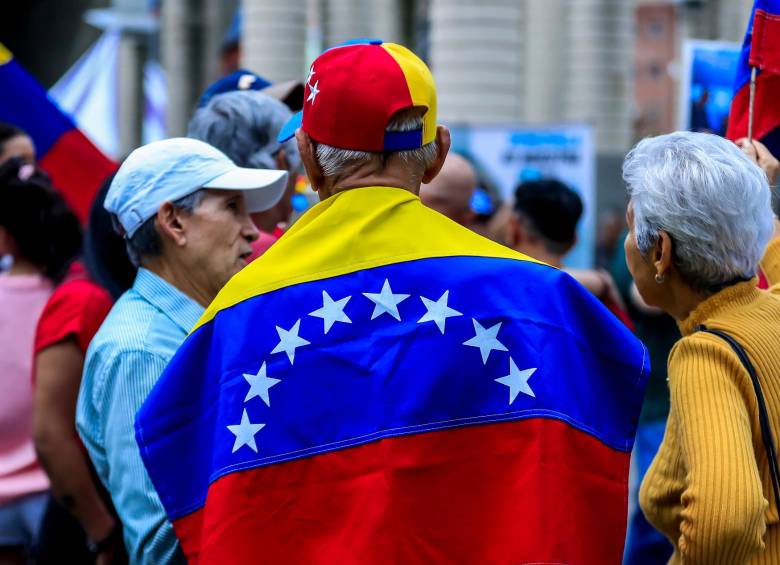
[385, 386]
[761, 49]
[76, 167]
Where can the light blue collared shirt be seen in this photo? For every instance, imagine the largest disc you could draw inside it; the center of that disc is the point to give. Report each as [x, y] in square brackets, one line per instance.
[126, 357]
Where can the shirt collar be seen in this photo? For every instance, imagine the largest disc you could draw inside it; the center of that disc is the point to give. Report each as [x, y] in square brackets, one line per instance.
[177, 306]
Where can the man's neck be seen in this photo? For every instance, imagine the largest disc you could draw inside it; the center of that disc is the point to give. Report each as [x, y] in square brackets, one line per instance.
[174, 274]
[367, 174]
[540, 253]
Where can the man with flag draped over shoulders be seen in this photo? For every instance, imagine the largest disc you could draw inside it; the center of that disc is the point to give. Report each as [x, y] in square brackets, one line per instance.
[385, 386]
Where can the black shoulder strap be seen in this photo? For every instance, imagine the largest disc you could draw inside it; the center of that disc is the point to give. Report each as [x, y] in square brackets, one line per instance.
[763, 415]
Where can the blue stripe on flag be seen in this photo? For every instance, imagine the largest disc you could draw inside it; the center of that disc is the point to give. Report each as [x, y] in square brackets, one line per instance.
[369, 379]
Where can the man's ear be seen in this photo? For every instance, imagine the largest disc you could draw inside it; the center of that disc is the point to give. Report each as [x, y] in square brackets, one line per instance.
[309, 160]
[443, 143]
[663, 253]
[170, 224]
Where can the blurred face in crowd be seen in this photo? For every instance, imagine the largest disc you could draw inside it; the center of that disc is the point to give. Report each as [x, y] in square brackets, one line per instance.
[282, 212]
[18, 146]
[214, 240]
[451, 191]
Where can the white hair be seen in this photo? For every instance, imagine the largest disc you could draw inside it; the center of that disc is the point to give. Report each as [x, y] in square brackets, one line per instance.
[243, 124]
[712, 200]
[334, 160]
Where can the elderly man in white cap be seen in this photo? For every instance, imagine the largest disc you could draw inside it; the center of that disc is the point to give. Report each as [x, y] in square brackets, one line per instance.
[184, 209]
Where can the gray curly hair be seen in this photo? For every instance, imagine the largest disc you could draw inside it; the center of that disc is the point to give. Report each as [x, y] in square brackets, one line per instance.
[244, 125]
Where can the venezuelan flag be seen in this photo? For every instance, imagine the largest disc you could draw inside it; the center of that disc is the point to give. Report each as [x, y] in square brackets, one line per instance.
[384, 386]
[75, 165]
[760, 49]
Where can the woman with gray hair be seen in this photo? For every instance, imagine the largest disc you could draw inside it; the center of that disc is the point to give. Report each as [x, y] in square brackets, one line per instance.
[700, 220]
[243, 125]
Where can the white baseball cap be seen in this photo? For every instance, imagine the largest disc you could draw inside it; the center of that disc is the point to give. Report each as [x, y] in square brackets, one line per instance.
[164, 171]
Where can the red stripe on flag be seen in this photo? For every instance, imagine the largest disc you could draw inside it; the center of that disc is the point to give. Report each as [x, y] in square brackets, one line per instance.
[78, 169]
[766, 109]
[765, 43]
[526, 491]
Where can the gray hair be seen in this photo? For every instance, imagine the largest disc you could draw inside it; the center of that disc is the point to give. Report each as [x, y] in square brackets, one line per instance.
[146, 242]
[334, 160]
[244, 125]
[712, 200]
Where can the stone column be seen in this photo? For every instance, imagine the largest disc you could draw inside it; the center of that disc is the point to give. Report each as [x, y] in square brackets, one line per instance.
[601, 55]
[477, 59]
[545, 62]
[273, 38]
[132, 57]
[183, 54]
[350, 19]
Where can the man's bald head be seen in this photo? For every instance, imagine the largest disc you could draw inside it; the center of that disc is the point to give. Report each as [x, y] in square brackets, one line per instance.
[451, 191]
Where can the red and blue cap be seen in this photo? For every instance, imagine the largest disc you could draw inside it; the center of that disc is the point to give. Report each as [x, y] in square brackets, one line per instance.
[354, 89]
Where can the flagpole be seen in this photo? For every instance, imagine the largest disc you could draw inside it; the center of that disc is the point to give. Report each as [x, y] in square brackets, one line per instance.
[750, 103]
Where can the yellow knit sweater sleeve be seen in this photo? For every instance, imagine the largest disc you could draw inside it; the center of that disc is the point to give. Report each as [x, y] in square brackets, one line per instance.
[722, 514]
[770, 264]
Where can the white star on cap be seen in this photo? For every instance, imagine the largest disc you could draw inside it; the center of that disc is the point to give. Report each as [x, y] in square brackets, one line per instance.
[311, 75]
[332, 311]
[259, 385]
[438, 311]
[385, 301]
[245, 82]
[245, 433]
[517, 381]
[289, 341]
[486, 340]
[313, 92]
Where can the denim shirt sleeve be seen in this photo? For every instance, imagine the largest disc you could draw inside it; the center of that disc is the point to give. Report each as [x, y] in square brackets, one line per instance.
[121, 387]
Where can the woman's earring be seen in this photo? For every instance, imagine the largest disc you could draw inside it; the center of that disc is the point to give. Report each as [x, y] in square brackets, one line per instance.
[659, 278]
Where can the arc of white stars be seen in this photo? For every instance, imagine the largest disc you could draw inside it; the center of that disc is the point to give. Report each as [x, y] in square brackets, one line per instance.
[245, 433]
[313, 92]
[259, 385]
[332, 311]
[485, 340]
[289, 341]
[385, 302]
[438, 311]
[517, 381]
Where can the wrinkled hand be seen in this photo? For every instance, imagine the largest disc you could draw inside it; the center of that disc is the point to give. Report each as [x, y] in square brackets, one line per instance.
[761, 155]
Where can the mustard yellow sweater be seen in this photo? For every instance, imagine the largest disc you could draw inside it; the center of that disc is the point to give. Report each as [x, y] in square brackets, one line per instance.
[709, 489]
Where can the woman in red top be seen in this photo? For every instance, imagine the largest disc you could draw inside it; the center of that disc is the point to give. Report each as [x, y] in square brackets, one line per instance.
[69, 321]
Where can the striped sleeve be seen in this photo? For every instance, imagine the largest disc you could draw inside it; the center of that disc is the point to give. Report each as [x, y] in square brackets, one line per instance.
[146, 526]
[723, 505]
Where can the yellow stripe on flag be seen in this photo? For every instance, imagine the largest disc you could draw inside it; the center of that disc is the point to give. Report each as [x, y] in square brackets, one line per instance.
[422, 87]
[5, 54]
[354, 230]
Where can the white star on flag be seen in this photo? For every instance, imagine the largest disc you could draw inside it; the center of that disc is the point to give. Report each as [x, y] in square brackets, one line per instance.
[332, 311]
[486, 340]
[385, 301]
[517, 381]
[313, 92]
[259, 385]
[438, 311]
[245, 433]
[289, 341]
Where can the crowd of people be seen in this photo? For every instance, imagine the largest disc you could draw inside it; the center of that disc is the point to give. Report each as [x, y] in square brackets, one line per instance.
[93, 320]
